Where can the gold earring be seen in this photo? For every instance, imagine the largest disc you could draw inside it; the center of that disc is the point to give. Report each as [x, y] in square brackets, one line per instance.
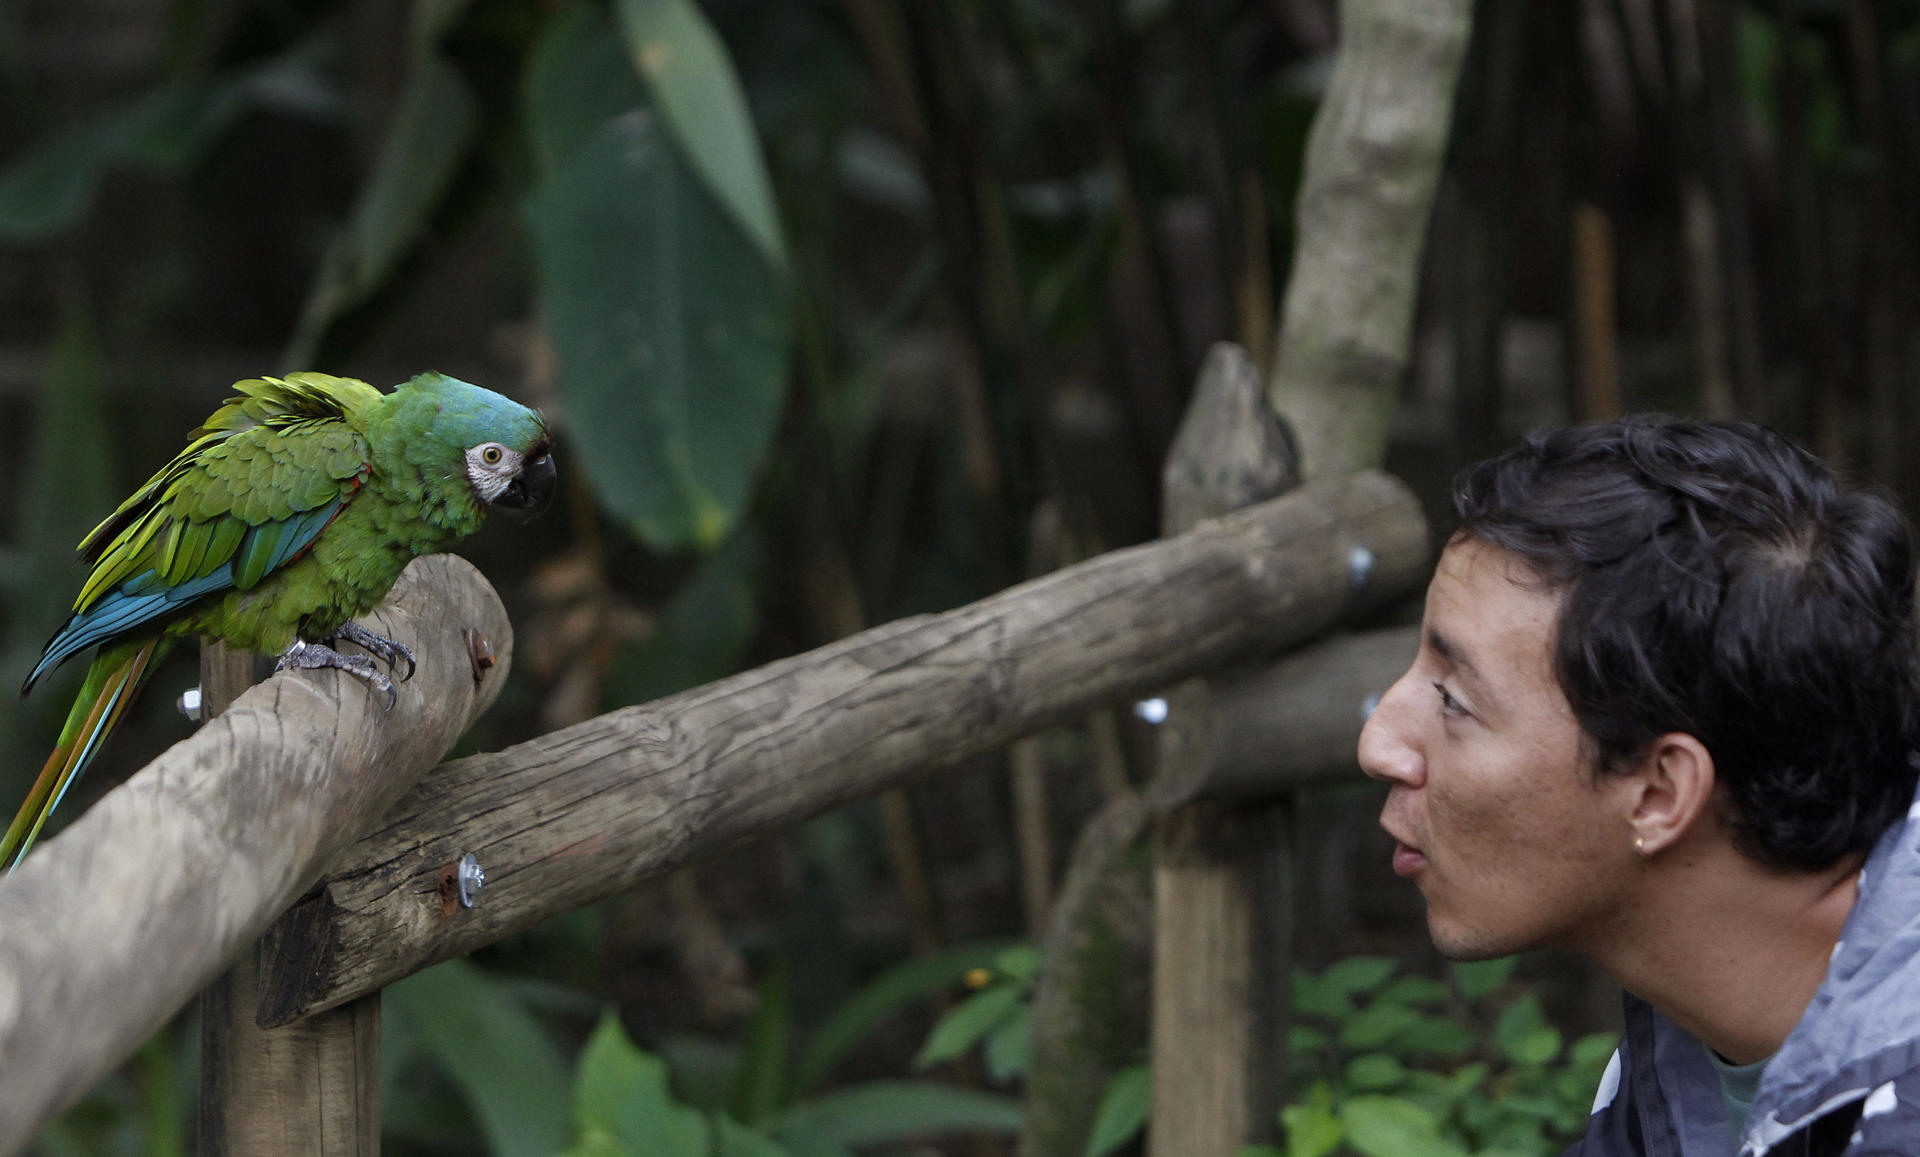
[1639, 843]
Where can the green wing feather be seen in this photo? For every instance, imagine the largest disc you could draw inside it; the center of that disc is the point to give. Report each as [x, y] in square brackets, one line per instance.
[280, 449]
[251, 491]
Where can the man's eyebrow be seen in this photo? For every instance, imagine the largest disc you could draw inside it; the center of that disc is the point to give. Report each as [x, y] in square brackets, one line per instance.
[1450, 651]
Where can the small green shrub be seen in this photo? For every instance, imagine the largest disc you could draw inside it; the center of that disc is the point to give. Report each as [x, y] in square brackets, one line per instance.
[1407, 1066]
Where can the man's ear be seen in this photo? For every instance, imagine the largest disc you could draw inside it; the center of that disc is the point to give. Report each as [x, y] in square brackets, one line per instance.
[1672, 790]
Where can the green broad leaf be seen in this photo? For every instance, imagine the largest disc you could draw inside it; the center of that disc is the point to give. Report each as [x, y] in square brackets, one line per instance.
[705, 1069]
[1392, 1127]
[970, 1020]
[1537, 1048]
[506, 1069]
[600, 1145]
[1019, 961]
[1122, 1112]
[1594, 1050]
[885, 995]
[882, 1111]
[1477, 979]
[687, 70]
[1435, 1036]
[1356, 975]
[577, 79]
[1415, 991]
[1523, 1035]
[620, 1092]
[760, 1087]
[51, 186]
[732, 1139]
[671, 332]
[415, 167]
[1009, 1050]
[1313, 1130]
[1375, 1073]
[1302, 1039]
[1376, 1024]
[1315, 996]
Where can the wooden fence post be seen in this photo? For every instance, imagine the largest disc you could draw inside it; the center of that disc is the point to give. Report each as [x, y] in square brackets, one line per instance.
[312, 1087]
[1222, 875]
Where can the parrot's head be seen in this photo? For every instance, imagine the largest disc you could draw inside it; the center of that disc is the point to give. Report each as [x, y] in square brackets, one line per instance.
[504, 447]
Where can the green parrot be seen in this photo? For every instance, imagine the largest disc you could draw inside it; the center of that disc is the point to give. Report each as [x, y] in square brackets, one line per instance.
[288, 515]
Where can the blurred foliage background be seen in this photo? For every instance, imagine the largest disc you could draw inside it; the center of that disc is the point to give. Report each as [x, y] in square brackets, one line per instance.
[848, 310]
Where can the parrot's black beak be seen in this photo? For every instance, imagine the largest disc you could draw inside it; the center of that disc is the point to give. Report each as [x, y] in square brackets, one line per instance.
[529, 494]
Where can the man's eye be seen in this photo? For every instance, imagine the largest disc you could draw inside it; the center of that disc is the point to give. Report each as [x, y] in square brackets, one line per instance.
[1448, 704]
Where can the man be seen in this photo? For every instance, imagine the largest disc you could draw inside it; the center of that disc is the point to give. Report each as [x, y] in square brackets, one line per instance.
[1666, 713]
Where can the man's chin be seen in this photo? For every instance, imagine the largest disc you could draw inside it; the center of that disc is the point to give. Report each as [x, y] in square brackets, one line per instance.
[1466, 945]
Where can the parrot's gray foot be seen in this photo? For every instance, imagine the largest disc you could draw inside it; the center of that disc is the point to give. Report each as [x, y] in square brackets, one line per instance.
[380, 647]
[305, 656]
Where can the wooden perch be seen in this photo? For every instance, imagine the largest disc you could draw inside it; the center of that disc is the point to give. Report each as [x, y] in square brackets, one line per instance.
[579, 814]
[115, 924]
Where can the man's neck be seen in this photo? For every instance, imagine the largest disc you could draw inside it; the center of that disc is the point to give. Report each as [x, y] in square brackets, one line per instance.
[1728, 949]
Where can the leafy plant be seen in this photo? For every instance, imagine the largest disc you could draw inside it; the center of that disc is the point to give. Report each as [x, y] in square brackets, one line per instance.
[999, 1017]
[1409, 1066]
[766, 1095]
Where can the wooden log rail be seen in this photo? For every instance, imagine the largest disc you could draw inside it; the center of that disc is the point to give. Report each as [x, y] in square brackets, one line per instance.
[584, 812]
[108, 929]
[113, 925]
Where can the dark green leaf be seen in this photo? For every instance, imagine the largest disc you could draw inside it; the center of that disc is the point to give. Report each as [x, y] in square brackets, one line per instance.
[416, 165]
[1478, 978]
[1375, 1072]
[1019, 961]
[885, 995]
[1302, 1039]
[506, 1069]
[1122, 1112]
[1009, 1050]
[577, 80]
[970, 1020]
[1375, 1025]
[686, 68]
[732, 1139]
[1436, 1036]
[1314, 996]
[882, 1111]
[1517, 1031]
[671, 332]
[1417, 991]
[1594, 1050]
[761, 1087]
[1360, 974]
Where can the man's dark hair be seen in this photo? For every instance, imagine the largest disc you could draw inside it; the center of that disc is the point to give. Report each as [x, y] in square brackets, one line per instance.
[1718, 580]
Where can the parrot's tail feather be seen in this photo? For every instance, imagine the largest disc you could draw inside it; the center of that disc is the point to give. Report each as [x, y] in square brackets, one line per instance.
[111, 686]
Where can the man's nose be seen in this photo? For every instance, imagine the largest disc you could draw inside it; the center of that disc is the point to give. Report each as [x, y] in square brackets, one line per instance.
[1387, 747]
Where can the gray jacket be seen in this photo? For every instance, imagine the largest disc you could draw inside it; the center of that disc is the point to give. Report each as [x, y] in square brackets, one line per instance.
[1847, 1079]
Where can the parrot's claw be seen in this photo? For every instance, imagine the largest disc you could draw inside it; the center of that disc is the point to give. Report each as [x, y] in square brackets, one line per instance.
[305, 656]
[380, 647]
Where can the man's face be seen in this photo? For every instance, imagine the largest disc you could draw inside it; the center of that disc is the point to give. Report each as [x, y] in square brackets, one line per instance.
[1497, 814]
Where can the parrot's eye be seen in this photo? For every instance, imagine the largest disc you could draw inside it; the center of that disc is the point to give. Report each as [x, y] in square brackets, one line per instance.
[491, 455]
